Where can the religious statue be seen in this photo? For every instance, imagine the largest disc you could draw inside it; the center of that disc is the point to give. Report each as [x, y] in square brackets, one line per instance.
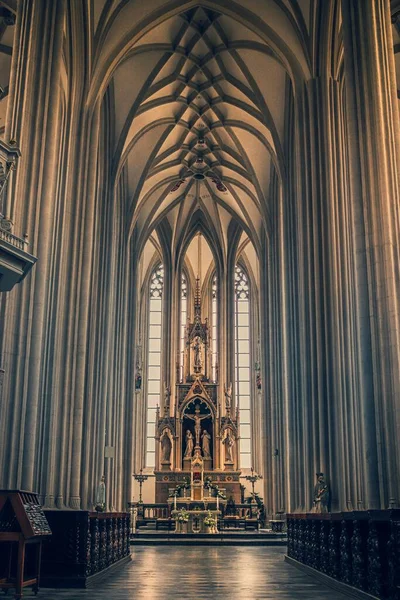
[138, 381]
[230, 507]
[166, 447]
[167, 394]
[189, 444]
[197, 423]
[228, 442]
[100, 500]
[198, 363]
[321, 495]
[228, 396]
[205, 442]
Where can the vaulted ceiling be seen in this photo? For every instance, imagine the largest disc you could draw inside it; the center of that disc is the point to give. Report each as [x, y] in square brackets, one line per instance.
[198, 102]
[197, 96]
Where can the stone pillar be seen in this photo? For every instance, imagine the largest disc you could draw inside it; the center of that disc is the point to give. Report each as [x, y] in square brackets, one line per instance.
[33, 120]
[374, 151]
[85, 253]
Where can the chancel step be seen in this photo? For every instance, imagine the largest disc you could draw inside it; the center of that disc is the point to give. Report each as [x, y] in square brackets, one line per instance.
[234, 538]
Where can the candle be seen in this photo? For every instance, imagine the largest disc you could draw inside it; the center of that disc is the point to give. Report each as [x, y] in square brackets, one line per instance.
[175, 501]
[217, 502]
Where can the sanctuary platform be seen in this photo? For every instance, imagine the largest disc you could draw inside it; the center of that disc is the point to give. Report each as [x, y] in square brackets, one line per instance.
[151, 537]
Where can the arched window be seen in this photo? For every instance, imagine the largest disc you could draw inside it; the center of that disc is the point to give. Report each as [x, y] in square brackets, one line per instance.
[214, 325]
[154, 359]
[242, 363]
[183, 323]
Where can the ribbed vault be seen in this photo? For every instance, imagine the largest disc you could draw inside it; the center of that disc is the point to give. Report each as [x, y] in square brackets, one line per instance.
[199, 114]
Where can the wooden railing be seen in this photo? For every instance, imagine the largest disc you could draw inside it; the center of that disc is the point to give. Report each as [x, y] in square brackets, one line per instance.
[82, 545]
[360, 548]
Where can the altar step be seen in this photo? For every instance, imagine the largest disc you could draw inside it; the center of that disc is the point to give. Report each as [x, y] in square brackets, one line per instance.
[148, 537]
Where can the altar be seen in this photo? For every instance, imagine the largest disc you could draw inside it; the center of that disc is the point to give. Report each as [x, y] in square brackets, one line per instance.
[197, 521]
[197, 427]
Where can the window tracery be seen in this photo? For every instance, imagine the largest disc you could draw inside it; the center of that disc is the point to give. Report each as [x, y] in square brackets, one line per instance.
[242, 363]
[184, 293]
[214, 325]
[156, 288]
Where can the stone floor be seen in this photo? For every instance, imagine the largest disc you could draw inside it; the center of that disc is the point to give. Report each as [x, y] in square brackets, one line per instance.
[233, 573]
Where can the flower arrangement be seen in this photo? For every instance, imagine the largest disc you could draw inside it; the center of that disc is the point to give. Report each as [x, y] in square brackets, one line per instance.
[212, 487]
[210, 520]
[181, 486]
[182, 516]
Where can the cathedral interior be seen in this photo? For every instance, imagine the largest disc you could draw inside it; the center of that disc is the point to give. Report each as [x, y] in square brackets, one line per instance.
[199, 266]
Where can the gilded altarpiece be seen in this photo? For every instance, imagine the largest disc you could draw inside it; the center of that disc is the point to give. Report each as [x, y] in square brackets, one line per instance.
[196, 421]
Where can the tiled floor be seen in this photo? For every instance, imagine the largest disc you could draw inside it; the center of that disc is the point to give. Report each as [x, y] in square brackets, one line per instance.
[233, 573]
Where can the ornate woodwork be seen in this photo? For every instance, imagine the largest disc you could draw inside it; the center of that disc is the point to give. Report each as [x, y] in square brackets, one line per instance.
[324, 547]
[358, 556]
[197, 420]
[345, 552]
[23, 527]
[359, 548]
[83, 545]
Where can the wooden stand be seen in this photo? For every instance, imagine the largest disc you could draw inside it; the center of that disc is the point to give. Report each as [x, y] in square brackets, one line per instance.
[22, 523]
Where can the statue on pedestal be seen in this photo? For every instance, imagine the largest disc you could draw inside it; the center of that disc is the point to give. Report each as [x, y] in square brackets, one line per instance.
[100, 499]
[198, 362]
[228, 442]
[189, 444]
[228, 397]
[167, 395]
[321, 495]
[166, 447]
[205, 441]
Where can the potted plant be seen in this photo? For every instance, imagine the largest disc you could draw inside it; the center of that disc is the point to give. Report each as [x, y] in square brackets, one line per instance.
[181, 520]
[210, 523]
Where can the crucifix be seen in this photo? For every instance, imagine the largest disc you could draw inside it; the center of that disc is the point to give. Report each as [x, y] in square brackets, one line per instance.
[197, 423]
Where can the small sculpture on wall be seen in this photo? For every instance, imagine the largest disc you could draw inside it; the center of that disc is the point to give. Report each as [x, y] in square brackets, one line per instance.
[166, 447]
[138, 382]
[167, 395]
[228, 397]
[189, 444]
[100, 499]
[205, 442]
[228, 442]
[321, 495]
[198, 361]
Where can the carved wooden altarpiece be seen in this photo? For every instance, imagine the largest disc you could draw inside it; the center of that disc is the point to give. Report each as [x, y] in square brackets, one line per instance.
[196, 421]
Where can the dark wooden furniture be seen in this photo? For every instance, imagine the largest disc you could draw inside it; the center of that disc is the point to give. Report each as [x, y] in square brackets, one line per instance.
[23, 526]
[84, 547]
[357, 548]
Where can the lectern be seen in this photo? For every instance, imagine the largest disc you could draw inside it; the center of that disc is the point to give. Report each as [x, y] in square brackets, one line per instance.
[22, 523]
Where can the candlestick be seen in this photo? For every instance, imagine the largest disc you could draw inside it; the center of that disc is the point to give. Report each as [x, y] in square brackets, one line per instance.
[252, 478]
[141, 479]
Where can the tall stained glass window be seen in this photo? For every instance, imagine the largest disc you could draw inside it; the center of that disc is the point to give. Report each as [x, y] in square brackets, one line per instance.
[214, 324]
[242, 363]
[154, 360]
[183, 323]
